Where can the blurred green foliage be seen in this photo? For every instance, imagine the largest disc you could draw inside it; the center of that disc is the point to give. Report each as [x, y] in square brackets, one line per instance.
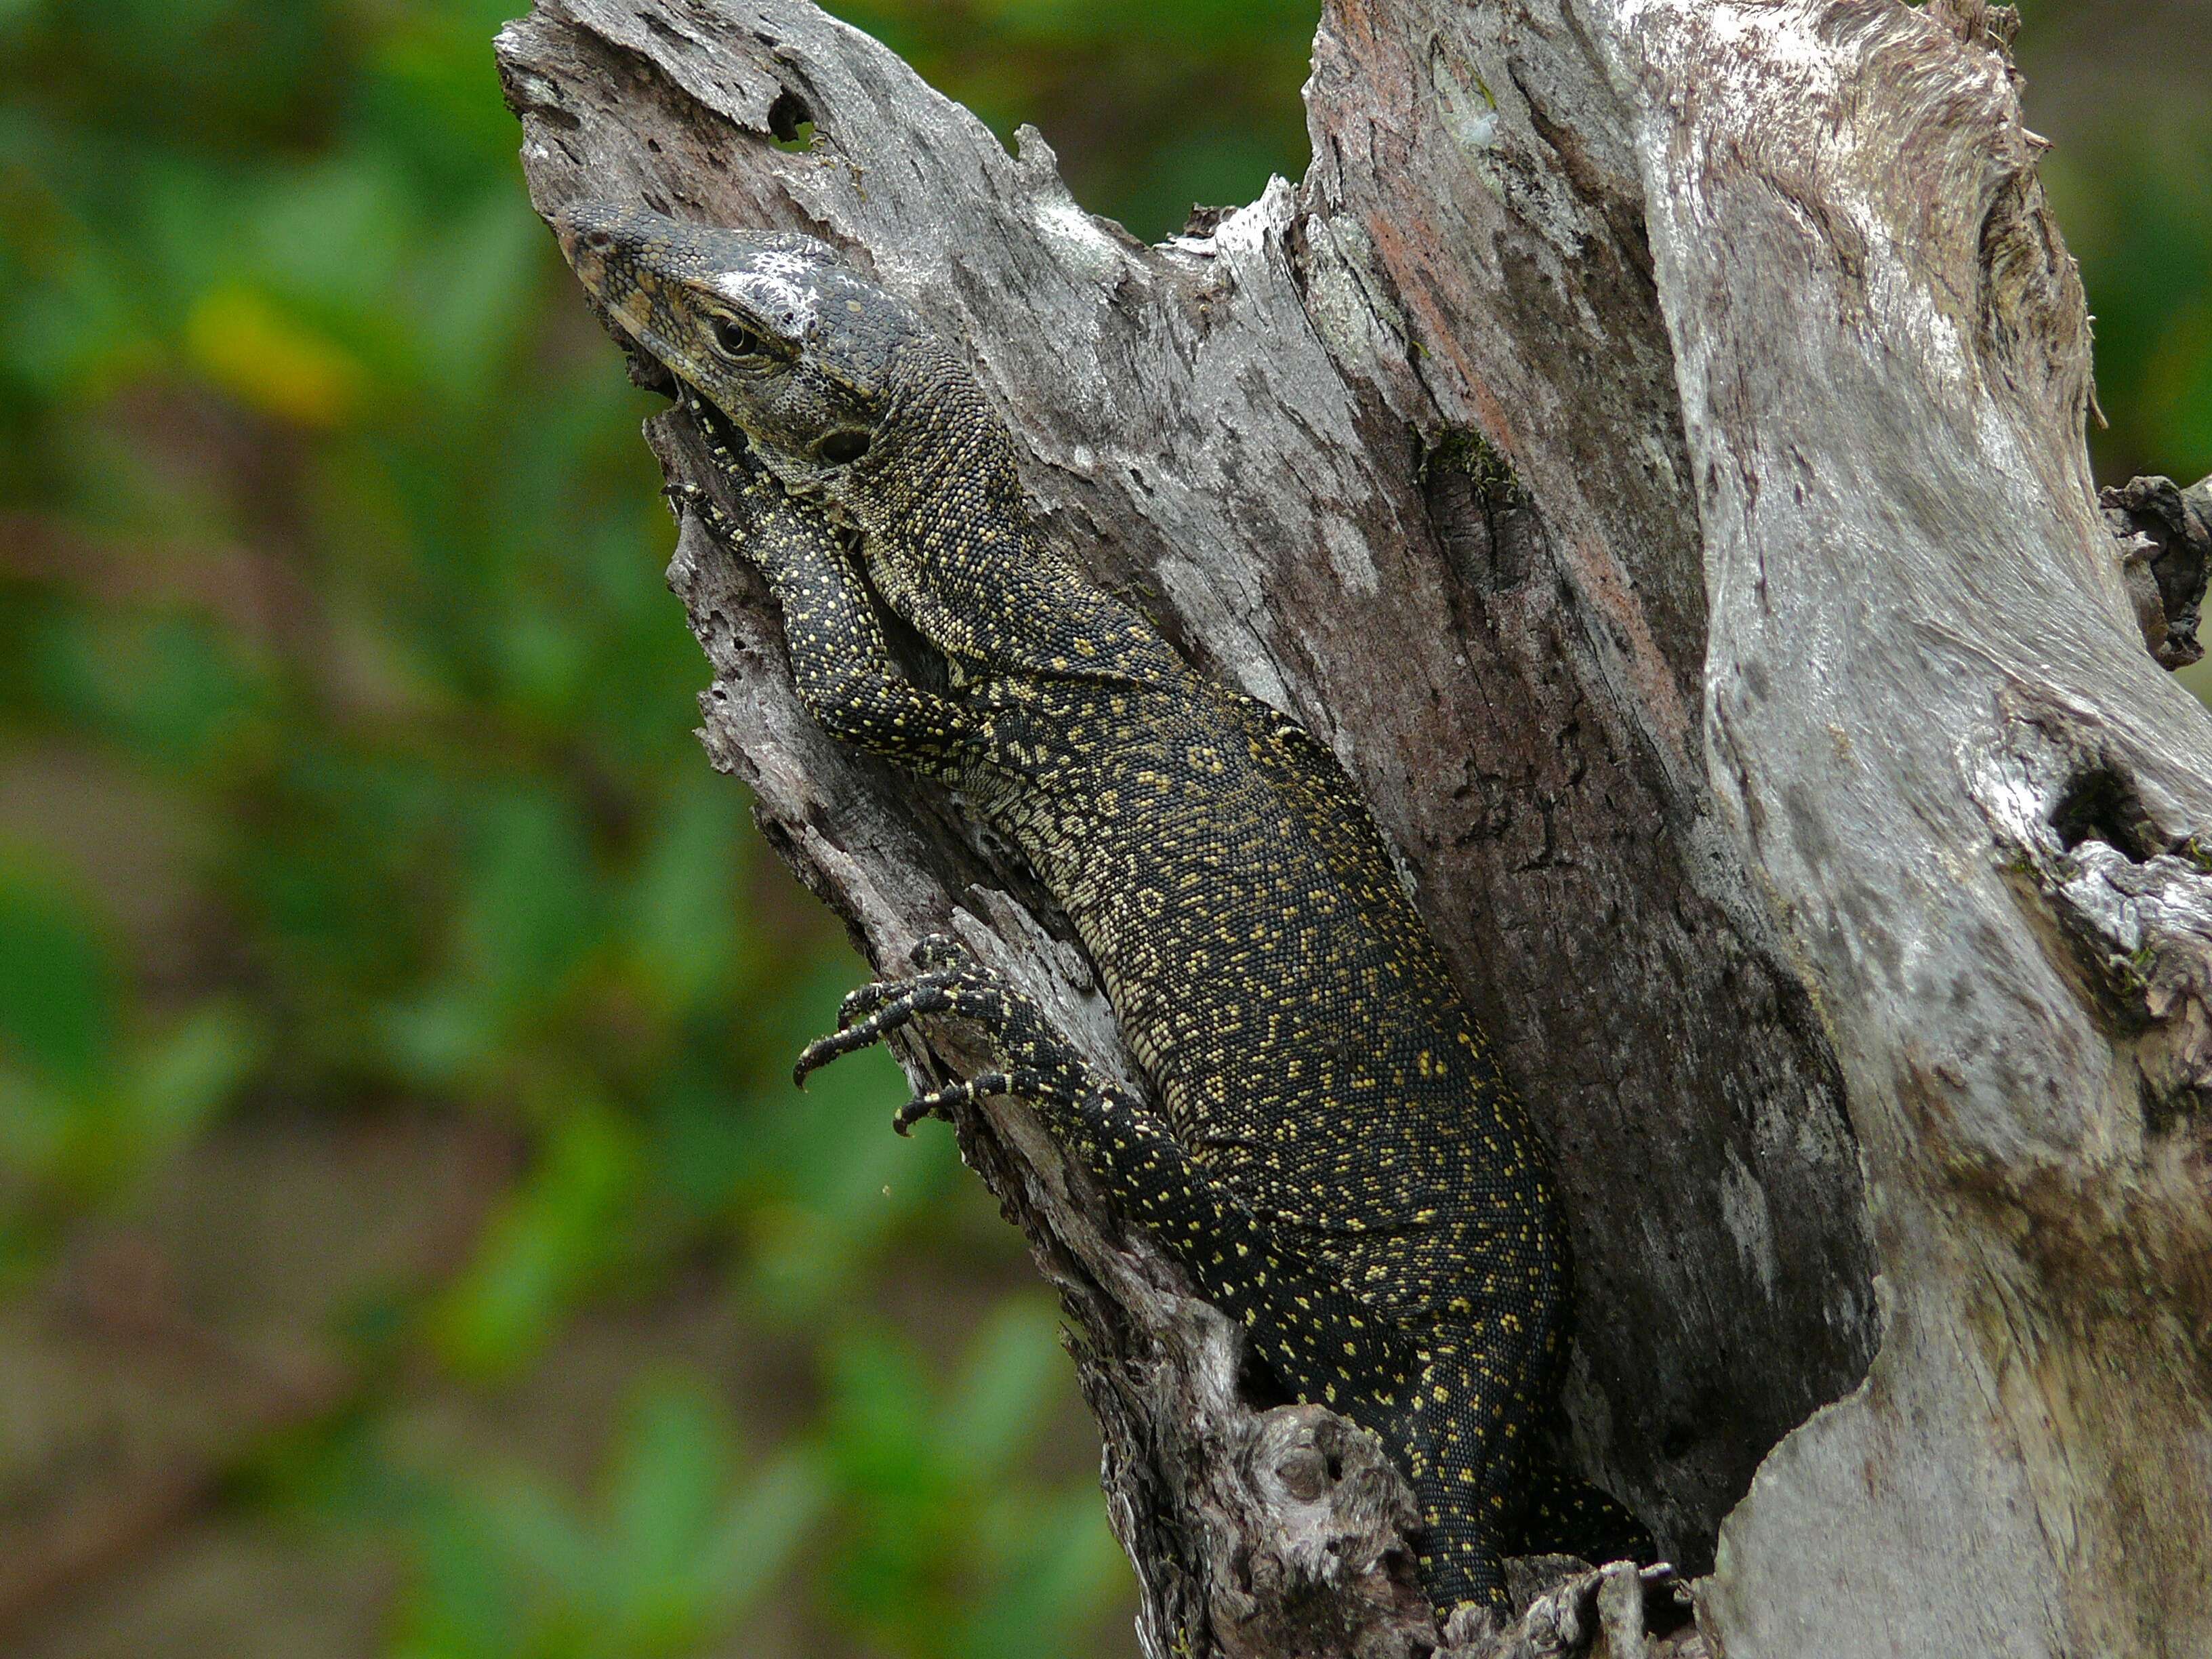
[331, 582]
[676, 1545]
[2134, 197]
[347, 767]
[1152, 105]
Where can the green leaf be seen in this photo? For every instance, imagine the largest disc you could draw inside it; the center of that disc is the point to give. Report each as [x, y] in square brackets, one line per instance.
[763, 1529]
[672, 1465]
[685, 911]
[1014, 1370]
[1071, 1570]
[544, 1248]
[59, 982]
[179, 1080]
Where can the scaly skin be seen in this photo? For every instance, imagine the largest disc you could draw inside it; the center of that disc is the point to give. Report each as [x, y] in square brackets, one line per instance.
[1334, 1156]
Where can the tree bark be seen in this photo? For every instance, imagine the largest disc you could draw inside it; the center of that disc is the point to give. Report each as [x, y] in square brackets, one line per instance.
[1648, 447]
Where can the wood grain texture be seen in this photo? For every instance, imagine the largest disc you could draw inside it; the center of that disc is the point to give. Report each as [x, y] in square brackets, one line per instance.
[1647, 448]
[1974, 797]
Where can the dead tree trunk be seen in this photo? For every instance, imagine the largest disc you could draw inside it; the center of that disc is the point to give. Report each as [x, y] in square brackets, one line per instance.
[1648, 444]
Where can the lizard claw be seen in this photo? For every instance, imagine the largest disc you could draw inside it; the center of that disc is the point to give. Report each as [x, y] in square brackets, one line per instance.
[688, 500]
[847, 1040]
[941, 961]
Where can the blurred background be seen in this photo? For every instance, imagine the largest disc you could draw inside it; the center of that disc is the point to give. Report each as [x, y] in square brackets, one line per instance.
[411, 1243]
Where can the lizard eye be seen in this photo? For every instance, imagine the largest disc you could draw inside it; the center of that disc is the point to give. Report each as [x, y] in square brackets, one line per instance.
[733, 339]
[839, 447]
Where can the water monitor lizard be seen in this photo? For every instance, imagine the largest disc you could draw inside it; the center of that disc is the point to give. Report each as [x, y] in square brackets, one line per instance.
[1334, 1155]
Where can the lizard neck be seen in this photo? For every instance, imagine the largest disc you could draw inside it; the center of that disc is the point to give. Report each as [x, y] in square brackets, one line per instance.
[952, 549]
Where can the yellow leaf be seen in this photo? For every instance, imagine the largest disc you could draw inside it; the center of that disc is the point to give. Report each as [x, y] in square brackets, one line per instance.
[269, 361]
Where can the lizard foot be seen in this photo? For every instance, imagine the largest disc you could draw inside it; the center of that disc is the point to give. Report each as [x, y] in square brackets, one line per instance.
[943, 962]
[893, 1005]
[689, 498]
[935, 950]
[1036, 1064]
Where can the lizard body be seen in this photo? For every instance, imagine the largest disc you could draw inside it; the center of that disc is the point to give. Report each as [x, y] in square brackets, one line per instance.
[1336, 1157]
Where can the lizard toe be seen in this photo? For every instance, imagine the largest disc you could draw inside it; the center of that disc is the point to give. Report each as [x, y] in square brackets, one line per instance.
[956, 995]
[879, 993]
[939, 1102]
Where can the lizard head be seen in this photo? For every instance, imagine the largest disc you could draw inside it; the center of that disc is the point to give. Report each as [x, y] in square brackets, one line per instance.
[811, 362]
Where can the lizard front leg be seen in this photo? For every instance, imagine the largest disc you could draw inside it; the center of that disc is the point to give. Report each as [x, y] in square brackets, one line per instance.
[1365, 1367]
[841, 666]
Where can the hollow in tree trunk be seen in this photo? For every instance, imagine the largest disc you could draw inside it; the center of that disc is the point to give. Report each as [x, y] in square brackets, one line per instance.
[1647, 446]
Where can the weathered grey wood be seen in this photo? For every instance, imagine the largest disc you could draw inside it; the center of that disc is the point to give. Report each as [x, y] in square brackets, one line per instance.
[1972, 794]
[1648, 446]
[2166, 534]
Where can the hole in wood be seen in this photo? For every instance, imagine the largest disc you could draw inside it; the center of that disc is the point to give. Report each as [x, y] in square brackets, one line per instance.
[790, 122]
[2099, 804]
